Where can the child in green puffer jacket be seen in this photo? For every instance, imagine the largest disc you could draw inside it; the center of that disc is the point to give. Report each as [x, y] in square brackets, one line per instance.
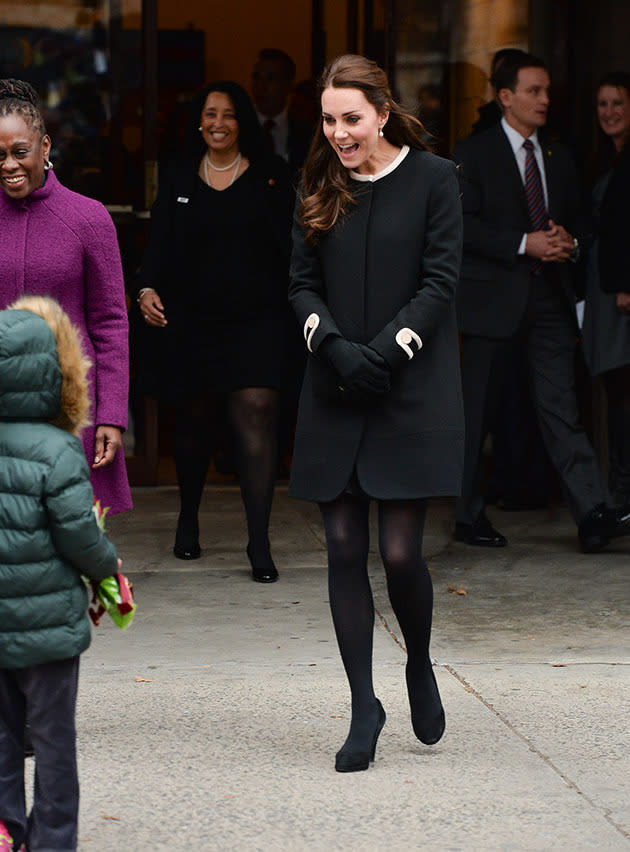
[49, 537]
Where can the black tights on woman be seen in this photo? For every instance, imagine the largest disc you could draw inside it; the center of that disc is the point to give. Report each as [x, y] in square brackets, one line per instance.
[253, 417]
[401, 527]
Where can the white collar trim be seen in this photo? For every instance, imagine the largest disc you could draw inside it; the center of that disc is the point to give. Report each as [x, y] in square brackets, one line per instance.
[386, 171]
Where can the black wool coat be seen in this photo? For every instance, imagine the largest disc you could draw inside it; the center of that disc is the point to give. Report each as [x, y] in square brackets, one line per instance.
[391, 264]
[614, 227]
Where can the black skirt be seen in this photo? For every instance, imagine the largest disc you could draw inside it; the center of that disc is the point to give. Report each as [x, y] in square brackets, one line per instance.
[218, 356]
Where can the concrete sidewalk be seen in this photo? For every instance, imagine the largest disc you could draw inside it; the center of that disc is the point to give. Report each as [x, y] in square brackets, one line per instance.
[212, 724]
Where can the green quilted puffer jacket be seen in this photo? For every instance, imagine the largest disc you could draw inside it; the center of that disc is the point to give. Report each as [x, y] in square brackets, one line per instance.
[48, 532]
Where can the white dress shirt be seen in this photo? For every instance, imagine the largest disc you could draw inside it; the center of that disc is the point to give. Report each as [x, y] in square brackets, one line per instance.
[516, 141]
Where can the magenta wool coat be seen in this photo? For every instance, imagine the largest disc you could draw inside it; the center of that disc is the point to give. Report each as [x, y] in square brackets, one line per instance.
[60, 244]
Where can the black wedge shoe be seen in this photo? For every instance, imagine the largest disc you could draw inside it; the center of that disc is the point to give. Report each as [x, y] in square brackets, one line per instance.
[429, 730]
[358, 761]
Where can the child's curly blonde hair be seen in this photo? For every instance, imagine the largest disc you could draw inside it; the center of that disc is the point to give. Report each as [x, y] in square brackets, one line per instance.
[75, 400]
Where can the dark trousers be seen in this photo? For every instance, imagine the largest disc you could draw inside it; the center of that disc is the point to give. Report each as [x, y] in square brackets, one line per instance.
[520, 459]
[549, 334]
[617, 384]
[44, 696]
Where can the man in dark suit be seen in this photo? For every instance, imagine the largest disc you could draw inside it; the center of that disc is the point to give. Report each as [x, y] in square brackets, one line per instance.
[272, 81]
[520, 478]
[521, 221]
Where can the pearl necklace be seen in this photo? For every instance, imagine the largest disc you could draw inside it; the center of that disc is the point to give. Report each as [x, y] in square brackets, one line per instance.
[236, 163]
[222, 168]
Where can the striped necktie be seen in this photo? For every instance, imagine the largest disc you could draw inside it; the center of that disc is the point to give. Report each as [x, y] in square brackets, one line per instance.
[268, 126]
[535, 196]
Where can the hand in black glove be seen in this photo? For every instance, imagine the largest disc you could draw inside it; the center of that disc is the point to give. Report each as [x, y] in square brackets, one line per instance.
[361, 370]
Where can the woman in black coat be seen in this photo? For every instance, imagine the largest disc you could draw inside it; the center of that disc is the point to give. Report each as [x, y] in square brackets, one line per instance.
[606, 330]
[214, 282]
[376, 250]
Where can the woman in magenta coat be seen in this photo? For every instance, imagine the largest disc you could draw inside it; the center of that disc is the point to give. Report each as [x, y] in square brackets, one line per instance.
[60, 244]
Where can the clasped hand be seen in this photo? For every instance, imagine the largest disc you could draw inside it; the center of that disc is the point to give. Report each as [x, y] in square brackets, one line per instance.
[361, 370]
[553, 244]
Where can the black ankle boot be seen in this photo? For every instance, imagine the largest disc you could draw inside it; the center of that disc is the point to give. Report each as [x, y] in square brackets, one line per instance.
[357, 761]
[428, 721]
[187, 538]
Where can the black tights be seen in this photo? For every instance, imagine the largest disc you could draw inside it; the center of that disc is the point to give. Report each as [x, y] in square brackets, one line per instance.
[253, 416]
[401, 527]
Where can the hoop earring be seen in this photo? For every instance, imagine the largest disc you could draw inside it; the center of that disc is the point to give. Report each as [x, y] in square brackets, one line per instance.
[47, 165]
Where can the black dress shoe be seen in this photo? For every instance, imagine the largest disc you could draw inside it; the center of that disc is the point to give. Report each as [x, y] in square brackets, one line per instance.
[187, 537]
[263, 570]
[187, 551]
[358, 761]
[601, 525]
[481, 533]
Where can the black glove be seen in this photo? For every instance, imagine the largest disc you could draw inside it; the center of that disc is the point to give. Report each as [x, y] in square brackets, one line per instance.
[361, 370]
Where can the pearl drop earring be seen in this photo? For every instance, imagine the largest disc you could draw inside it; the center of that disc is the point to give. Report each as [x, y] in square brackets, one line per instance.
[200, 128]
[380, 132]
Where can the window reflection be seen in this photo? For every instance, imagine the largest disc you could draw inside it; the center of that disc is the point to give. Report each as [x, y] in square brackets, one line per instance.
[69, 52]
[443, 56]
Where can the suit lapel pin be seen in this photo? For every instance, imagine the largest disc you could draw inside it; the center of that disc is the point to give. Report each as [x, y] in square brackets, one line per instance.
[182, 199]
[271, 182]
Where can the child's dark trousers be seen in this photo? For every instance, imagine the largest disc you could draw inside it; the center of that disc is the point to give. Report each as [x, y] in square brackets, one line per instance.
[45, 696]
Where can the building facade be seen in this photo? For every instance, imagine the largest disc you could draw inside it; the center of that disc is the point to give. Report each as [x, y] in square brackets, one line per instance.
[115, 77]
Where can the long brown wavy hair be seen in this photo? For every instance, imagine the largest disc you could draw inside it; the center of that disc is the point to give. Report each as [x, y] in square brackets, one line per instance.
[326, 194]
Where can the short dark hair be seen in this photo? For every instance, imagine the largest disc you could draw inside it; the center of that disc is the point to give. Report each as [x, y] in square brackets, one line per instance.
[618, 79]
[506, 74]
[252, 141]
[18, 96]
[506, 54]
[274, 54]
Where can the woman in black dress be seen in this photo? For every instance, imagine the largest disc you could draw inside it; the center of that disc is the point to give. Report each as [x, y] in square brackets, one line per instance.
[214, 282]
[376, 250]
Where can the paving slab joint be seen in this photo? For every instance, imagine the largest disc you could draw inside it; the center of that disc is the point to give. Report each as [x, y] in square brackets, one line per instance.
[383, 621]
[530, 745]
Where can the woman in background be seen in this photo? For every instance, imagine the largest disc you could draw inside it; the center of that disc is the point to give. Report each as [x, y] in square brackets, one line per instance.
[607, 310]
[214, 282]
